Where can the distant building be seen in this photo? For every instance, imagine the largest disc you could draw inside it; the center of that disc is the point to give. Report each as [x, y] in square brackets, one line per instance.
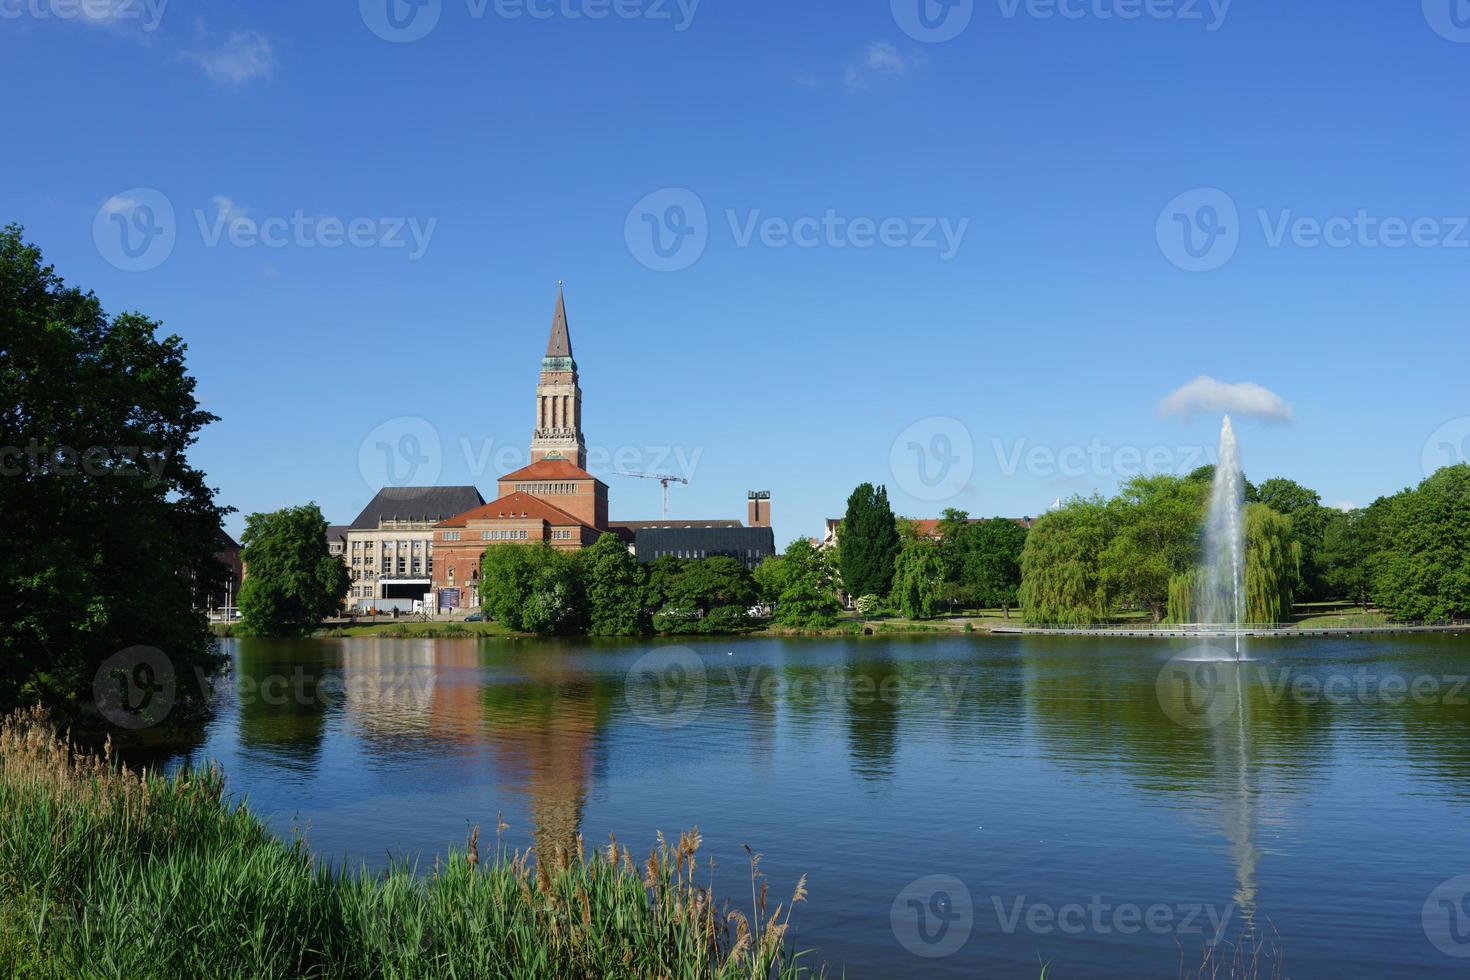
[389, 549]
[229, 556]
[748, 545]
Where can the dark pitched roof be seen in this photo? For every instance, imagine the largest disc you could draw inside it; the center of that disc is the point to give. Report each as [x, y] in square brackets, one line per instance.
[337, 531]
[560, 342]
[417, 504]
[745, 544]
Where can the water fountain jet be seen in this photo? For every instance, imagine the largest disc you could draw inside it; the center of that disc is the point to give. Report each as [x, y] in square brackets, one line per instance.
[1225, 540]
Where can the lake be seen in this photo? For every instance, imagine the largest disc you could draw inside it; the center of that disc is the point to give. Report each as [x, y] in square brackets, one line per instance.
[961, 805]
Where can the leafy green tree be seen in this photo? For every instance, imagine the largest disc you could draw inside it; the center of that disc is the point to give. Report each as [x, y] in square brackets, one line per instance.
[991, 569]
[531, 588]
[110, 535]
[1422, 569]
[870, 542]
[1349, 543]
[293, 582]
[1309, 519]
[800, 586]
[615, 588]
[954, 541]
[918, 579]
[1061, 566]
[1157, 536]
[1272, 559]
[709, 595]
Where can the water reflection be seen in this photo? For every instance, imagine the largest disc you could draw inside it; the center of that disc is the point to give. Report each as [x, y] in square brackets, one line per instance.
[1034, 740]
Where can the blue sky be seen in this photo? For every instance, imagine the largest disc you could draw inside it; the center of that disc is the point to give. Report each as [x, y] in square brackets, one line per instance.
[875, 243]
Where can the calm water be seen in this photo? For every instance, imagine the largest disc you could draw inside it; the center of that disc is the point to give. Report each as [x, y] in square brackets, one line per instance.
[964, 806]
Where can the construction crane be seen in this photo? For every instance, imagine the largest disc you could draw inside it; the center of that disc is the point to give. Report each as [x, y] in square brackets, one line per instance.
[662, 478]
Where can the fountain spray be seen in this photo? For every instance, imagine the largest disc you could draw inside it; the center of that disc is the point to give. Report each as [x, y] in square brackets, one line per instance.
[1225, 539]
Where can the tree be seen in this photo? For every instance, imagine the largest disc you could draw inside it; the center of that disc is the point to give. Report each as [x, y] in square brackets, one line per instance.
[1422, 568]
[293, 581]
[1157, 521]
[615, 588]
[870, 542]
[918, 579]
[709, 595]
[799, 585]
[1061, 566]
[1309, 519]
[531, 588]
[991, 569]
[1349, 542]
[110, 534]
[1272, 565]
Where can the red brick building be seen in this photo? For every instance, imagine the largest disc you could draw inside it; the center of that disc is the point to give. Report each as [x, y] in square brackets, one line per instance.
[553, 500]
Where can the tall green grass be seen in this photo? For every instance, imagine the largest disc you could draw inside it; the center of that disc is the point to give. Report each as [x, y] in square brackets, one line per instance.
[107, 872]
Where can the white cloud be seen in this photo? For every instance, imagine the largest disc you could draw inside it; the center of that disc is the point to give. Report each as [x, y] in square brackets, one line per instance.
[120, 205]
[245, 55]
[227, 209]
[1207, 395]
[881, 60]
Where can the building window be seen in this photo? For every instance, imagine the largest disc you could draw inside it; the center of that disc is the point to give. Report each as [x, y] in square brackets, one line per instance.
[451, 535]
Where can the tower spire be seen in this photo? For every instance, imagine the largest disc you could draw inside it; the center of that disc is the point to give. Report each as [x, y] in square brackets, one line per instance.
[560, 342]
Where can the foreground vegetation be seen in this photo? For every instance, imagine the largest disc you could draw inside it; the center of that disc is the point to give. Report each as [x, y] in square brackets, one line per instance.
[109, 872]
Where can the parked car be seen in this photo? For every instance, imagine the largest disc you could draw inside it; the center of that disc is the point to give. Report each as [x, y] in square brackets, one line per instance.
[475, 618]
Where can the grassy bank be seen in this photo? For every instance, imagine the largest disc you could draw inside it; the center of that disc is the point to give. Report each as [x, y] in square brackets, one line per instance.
[108, 872]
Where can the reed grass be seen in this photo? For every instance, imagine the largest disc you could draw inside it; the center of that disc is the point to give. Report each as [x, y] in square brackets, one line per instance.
[110, 872]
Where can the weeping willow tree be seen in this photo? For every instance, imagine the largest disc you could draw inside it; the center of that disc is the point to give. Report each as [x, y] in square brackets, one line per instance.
[1272, 565]
[1185, 589]
[1271, 574]
[1061, 566]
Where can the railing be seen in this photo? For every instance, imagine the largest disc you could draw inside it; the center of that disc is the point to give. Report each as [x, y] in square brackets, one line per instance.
[1187, 629]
